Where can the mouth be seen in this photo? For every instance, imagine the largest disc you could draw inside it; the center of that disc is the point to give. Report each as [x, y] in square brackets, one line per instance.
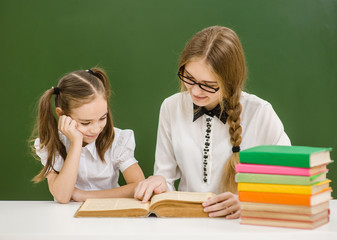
[199, 98]
[92, 136]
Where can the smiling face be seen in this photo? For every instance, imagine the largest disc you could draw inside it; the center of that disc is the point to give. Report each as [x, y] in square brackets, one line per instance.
[200, 72]
[91, 118]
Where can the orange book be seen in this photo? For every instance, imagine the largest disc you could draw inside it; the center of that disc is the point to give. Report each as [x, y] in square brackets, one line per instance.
[286, 198]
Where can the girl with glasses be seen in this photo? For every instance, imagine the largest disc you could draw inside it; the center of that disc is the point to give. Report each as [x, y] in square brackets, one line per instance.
[202, 129]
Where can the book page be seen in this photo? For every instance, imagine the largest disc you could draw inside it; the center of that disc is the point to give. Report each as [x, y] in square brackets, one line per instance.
[104, 204]
[320, 158]
[197, 197]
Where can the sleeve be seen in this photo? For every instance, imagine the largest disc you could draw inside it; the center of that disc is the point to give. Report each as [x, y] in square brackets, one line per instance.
[269, 129]
[165, 161]
[123, 153]
[43, 155]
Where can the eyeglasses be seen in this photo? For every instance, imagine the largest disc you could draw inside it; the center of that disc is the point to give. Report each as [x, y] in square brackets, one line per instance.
[190, 81]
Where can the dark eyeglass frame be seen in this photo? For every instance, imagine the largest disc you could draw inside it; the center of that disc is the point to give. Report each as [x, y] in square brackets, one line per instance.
[201, 86]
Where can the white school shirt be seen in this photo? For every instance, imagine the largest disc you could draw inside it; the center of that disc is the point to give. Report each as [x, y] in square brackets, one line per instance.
[180, 141]
[93, 174]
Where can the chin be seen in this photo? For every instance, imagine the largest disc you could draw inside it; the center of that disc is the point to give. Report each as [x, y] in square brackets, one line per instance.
[200, 103]
[87, 141]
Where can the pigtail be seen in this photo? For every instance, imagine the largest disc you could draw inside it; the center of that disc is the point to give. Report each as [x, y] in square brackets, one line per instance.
[101, 75]
[47, 129]
[105, 139]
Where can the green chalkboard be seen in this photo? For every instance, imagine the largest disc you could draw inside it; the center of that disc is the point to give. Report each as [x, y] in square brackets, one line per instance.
[290, 46]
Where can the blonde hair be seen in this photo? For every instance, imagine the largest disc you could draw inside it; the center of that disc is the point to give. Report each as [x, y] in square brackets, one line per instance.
[75, 89]
[221, 49]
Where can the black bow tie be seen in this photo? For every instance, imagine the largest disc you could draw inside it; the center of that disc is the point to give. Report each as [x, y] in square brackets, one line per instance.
[199, 111]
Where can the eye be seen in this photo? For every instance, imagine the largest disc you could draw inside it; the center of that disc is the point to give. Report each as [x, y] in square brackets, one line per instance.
[189, 77]
[85, 124]
[212, 85]
[103, 118]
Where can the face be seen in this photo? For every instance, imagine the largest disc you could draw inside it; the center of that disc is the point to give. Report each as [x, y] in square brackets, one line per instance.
[91, 118]
[200, 72]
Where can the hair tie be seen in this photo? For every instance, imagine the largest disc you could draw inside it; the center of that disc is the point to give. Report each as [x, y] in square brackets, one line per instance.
[236, 149]
[56, 91]
[91, 72]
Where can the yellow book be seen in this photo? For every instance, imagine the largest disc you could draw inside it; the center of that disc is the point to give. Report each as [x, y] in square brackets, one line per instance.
[168, 204]
[282, 188]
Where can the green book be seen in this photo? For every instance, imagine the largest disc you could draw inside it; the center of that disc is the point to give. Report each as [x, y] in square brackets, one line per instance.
[280, 179]
[292, 156]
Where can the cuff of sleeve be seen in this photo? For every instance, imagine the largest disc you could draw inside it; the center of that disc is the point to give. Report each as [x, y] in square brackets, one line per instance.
[127, 164]
[170, 186]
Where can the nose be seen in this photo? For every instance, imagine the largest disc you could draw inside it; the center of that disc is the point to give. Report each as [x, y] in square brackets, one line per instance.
[95, 128]
[196, 90]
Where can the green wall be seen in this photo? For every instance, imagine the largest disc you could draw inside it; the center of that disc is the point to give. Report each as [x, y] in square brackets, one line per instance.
[290, 45]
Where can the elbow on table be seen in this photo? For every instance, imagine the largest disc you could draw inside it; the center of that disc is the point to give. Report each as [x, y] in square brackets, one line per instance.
[62, 199]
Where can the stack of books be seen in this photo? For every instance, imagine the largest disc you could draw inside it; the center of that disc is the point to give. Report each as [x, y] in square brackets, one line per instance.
[284, 186]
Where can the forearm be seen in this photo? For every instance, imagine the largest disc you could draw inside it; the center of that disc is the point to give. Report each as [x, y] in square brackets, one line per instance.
[126, 191]
[62, 185]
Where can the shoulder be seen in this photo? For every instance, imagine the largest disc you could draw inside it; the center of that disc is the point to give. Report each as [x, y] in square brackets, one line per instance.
[123, 137]
[176, 103]
[123, 146]
[175, 98]
[252, 100]
[122, 132]
[261, 123]
[63, 138]
[251, 104]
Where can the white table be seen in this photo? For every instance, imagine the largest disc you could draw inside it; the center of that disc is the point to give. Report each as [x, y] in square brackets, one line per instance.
[49, 220]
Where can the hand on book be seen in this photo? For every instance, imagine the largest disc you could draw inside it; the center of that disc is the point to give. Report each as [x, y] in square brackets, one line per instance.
[152, 185]
[224, 204]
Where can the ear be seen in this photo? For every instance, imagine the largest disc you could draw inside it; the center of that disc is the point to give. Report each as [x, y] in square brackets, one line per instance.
[59, 112]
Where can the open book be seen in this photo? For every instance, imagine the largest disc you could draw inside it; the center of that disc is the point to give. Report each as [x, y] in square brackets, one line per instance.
[168, 204]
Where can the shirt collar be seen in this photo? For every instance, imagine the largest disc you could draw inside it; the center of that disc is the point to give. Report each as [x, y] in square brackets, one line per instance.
[91, 146]
[92, 149]
[199, 111]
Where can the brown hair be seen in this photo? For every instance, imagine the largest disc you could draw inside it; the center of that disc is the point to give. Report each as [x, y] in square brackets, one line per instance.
[220, 47]
[75, 89]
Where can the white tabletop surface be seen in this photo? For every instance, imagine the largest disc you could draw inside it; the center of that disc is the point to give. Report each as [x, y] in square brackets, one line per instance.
[49, 220]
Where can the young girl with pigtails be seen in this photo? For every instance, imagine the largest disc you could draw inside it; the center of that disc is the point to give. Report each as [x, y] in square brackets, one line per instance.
[82, 152]
[202, 129]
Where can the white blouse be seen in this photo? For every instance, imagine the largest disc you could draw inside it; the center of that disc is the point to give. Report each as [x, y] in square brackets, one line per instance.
[93, 174]
[180, 141]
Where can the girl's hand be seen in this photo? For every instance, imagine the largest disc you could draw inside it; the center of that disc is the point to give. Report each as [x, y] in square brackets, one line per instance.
[68, 127]
[224, 204]
[146, 188]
